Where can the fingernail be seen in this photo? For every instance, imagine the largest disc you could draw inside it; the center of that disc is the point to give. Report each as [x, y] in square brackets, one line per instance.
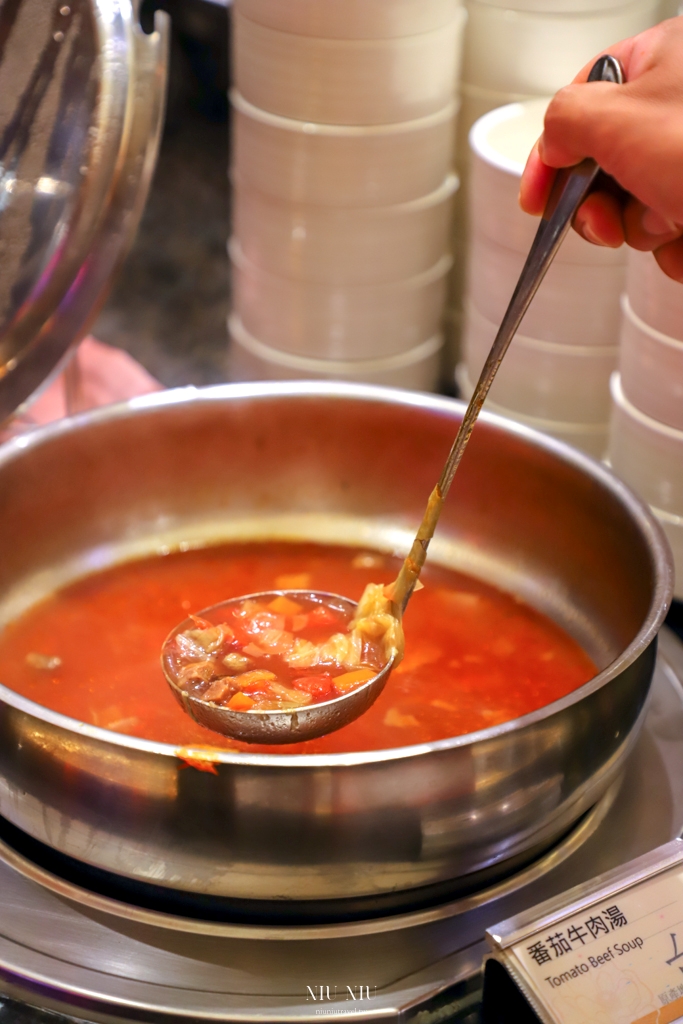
[653, 223]
[589, 234]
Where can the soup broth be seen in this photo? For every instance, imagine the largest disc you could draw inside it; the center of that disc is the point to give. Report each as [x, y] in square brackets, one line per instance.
[475, 656]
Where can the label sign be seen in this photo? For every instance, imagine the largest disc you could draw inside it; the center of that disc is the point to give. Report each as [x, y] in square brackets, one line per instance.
[619, 960]
[613, 956]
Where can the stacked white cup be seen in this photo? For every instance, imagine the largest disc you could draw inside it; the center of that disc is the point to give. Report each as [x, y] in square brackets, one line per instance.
[516, 50]
[556, 373]
[344, 117]
[646, 431]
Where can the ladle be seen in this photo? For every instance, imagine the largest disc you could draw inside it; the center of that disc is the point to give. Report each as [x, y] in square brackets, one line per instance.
[292, 726]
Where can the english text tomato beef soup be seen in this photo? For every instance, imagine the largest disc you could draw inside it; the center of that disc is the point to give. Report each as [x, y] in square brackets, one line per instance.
[474, 657]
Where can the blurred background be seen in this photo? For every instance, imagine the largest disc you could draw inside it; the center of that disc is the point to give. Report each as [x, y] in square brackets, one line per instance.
[170, 303]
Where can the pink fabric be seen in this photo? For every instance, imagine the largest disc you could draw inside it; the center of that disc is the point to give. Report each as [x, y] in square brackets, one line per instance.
[105, 375]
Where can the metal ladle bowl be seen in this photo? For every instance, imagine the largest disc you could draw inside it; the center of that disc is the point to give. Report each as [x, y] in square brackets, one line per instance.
[275, 726]
[569, 190]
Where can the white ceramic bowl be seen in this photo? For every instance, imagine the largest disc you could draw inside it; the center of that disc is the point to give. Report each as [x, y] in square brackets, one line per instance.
[651, 367]
[474, 103]
[328, 321]
[647, 454]
[590, 438]
[537, 52]
[343, 245]
[536, 378]
[673, 528]
[250, 359]
[499, 143]
[576, 304]
[653, 296]
[351, 19]
[347, 81]
[341, 165]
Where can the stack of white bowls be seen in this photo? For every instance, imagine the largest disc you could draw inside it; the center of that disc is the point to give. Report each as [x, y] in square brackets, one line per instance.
[344, 114]
[556, 373]
[646, 432]
[516, 50]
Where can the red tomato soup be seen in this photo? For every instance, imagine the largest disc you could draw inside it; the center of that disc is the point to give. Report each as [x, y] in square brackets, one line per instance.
[475, 656]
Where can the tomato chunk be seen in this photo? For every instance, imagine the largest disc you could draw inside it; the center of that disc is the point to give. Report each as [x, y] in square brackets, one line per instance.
[320, 687]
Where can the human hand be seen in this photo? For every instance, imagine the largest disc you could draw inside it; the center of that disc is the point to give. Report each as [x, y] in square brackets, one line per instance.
[635, 133]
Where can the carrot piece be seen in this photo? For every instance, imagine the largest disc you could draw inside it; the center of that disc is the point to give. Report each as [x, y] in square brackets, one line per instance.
[348, 680]
[240, 702]
[285, 606]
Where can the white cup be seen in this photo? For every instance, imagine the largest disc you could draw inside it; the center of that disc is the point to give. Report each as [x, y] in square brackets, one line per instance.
[576, 304]
[250, 359]
[343, 245]
[590, 438]
[499, 144]
[360, 321]
[536, 378]
[653, 296]
[537, 52]
[647, 454]
[347, 81]
[351, 19]
[651, 367]
[341, 165]
[673, 528]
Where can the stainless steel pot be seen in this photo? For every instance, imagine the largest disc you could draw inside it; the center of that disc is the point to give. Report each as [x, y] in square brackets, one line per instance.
[336, 835]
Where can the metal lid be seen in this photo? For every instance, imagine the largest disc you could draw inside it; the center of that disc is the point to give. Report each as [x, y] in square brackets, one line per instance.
[81, 108]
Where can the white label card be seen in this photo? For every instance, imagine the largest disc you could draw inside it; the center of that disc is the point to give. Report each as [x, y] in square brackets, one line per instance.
[619, 961]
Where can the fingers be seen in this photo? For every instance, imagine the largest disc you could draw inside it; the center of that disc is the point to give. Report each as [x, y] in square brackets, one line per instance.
[599, 220]
[670, 259]
[537, 181]
[584, 120]
[645, 229]
[617, 125]
[576, 113]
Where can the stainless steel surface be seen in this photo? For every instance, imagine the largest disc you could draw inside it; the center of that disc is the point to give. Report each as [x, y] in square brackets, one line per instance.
[83, 93]
[73, 952]
[109, 903]
[327, 835]
[274, 726]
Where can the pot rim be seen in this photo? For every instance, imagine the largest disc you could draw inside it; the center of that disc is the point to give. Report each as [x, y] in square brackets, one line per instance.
[650, 529]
